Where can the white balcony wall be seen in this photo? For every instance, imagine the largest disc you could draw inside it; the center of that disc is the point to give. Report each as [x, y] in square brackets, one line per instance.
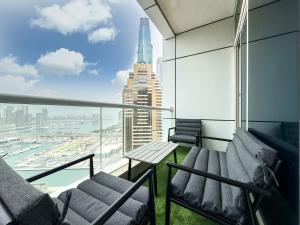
[168, 83]
[205, 80]
[169, 49]
[214, 36]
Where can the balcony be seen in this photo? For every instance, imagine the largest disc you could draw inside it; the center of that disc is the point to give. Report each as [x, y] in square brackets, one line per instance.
[45, 133]
[233, 65]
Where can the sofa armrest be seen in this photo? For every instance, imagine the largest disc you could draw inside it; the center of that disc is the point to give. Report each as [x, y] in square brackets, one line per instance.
[101, 219]
[54, 170]
[245, 186]
[215, 138]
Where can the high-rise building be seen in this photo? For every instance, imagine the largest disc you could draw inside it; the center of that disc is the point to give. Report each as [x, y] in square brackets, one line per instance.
[44, 115]
[142, 126]
[9, 115]
[19, 118]
[144, 43]
[38, 119]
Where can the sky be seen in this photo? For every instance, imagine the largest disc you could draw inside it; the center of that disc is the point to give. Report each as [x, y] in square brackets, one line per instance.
[73, 49]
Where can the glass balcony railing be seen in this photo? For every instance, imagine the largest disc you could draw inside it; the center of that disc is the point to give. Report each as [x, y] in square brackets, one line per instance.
[38, 134]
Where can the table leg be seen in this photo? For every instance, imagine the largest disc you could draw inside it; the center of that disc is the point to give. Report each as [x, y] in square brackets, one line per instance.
[175, 156]
[129, 170]
[155, 180]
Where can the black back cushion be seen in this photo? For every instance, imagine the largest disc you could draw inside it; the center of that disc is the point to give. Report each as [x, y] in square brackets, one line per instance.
[187, 126]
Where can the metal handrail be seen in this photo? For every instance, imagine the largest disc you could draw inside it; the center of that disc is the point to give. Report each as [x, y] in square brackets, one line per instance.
[36, 100]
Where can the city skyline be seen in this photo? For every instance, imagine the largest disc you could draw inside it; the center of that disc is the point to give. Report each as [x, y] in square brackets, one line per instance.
[101, 49]
[21, 116]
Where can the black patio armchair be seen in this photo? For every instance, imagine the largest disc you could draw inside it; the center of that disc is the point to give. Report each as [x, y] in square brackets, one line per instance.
[101, 200]
[186, 131]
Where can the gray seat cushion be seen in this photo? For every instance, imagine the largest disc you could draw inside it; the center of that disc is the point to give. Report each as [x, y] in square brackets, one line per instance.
[183, 138]
[181, 178]
[121, 185]
[194, 189]
[28, 205]
[72, 217]
[90, 208]
[203, 193]
[244, 161]
[92, 197]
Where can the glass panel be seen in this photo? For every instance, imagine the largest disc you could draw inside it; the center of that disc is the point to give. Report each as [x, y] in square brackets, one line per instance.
[39, 138]
[274, 98]
[112, 136]
[142, 126]
[167, 122]
[273, 74]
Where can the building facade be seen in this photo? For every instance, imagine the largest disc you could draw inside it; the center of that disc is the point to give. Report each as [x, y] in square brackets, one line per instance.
[142, 126]
[144, 44]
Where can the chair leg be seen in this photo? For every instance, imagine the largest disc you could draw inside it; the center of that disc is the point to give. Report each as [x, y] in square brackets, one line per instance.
[168, 201]
[129, 170]
[175, 156]
[152, 203]
[251, 211]
[155, 180]
[168, 210]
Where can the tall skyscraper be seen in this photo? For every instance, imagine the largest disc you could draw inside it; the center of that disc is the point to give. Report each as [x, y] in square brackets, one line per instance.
[144, 43]
[142, 126]
[44, 115]
[9, 115]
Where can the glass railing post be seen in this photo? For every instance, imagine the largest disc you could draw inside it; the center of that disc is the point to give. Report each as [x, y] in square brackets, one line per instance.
[101, 134]
[123, 130]
[172, 117]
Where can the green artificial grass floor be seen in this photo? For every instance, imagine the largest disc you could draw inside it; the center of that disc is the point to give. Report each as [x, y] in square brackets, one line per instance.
[179, 215]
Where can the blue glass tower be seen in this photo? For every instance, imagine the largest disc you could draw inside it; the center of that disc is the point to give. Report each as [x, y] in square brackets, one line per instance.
[144, 45]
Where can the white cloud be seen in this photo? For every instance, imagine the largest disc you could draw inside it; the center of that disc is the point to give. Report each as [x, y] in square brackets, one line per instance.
[9, 65]
[116, 1]
[121, 78]
[94, 72]
[12, 83]
[62, 62]
[74, 16]
[102, 35]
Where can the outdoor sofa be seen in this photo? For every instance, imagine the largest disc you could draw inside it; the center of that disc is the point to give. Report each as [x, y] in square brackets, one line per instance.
[102, 199]
[219, 185]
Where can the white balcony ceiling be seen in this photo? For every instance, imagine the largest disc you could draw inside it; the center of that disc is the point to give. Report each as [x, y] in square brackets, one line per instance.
[183, 15]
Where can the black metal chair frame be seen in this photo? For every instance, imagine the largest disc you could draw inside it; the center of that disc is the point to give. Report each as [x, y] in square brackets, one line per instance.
[101, 219]
[259, 193]
[197, 135]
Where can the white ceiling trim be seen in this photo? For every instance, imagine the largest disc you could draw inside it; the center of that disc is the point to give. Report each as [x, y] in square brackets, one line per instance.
[186, 15]
[157, 16]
